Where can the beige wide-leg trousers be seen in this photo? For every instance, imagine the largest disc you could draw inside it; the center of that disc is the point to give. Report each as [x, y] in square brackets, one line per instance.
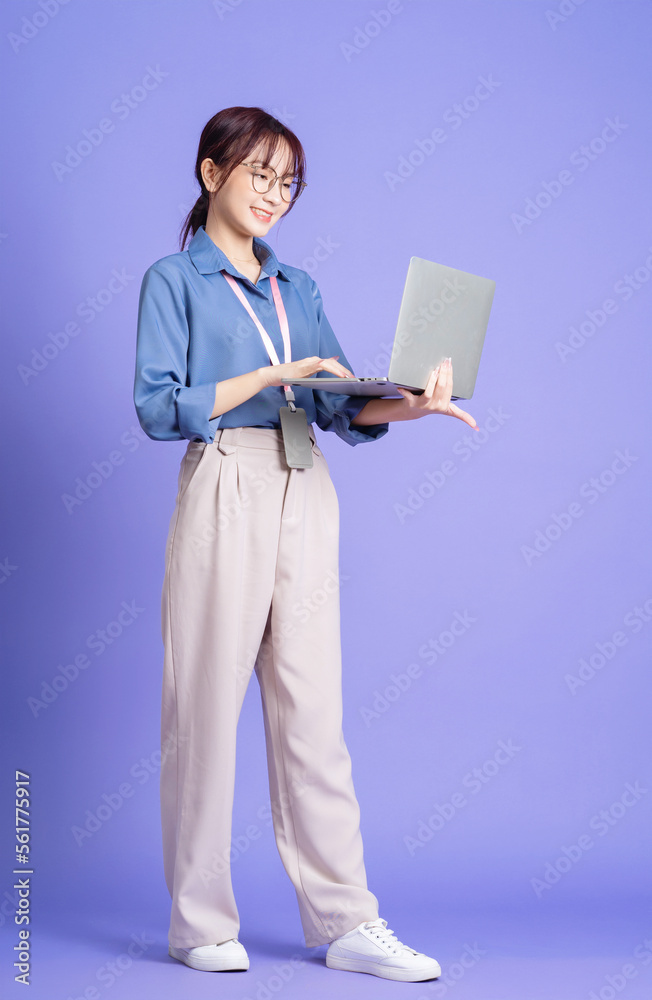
[252, 582]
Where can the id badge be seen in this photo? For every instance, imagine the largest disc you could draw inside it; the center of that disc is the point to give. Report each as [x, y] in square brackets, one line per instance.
[298, 446]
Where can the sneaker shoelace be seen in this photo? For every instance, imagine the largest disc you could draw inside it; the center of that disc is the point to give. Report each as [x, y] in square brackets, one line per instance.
[386, 937]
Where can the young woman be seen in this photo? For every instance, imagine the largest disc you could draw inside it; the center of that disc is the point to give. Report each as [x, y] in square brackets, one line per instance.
[251, 563]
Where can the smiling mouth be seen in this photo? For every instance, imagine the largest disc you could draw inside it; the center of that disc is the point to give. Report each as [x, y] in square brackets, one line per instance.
[261, 214]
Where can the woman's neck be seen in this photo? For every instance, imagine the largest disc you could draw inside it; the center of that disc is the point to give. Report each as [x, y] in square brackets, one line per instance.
[238, 248]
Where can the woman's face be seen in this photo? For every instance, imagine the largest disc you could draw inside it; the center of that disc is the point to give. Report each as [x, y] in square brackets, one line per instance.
[236, 203]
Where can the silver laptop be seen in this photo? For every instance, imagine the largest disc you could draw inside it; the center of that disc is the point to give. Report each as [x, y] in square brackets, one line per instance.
[444, 314]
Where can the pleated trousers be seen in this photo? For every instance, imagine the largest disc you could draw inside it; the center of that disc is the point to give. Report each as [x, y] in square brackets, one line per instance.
[252, 584]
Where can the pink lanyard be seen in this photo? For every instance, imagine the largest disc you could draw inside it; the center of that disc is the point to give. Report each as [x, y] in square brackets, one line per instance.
[282, 319]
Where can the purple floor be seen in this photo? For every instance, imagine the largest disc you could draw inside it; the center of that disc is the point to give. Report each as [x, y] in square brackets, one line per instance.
[540, 951]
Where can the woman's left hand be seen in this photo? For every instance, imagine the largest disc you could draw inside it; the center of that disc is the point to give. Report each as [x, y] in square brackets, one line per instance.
[436, 397]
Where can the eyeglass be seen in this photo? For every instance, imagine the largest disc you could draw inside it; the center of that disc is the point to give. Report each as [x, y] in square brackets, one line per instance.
[263, 180]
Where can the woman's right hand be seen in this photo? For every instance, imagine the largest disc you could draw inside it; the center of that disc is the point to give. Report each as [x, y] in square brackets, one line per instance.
[281, 374]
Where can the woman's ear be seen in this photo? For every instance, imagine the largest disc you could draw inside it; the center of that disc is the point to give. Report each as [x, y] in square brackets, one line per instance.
[210, 173]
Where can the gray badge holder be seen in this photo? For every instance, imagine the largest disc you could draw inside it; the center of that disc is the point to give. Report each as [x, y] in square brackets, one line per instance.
[296, 440]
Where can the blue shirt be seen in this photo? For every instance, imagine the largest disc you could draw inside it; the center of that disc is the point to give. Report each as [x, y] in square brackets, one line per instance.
[193, 332]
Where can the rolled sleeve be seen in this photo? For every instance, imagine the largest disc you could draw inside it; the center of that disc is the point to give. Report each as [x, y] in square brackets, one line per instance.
[335, 411]
[167, 408]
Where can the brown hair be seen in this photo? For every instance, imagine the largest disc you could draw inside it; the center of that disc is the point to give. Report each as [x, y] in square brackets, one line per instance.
[227, 139]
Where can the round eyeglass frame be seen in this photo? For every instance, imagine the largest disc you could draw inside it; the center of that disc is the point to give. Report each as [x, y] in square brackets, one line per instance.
[288, 201]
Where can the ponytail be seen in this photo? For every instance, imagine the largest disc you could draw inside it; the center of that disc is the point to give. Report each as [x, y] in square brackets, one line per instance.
[196, 217]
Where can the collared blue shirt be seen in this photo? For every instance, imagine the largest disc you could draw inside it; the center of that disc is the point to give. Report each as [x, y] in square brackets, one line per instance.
[193, 332]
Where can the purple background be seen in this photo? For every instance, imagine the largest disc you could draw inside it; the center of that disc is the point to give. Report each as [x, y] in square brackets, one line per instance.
[362, 85]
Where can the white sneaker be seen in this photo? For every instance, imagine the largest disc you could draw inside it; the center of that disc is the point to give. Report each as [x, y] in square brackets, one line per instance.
[226, 957]
[372, 947]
